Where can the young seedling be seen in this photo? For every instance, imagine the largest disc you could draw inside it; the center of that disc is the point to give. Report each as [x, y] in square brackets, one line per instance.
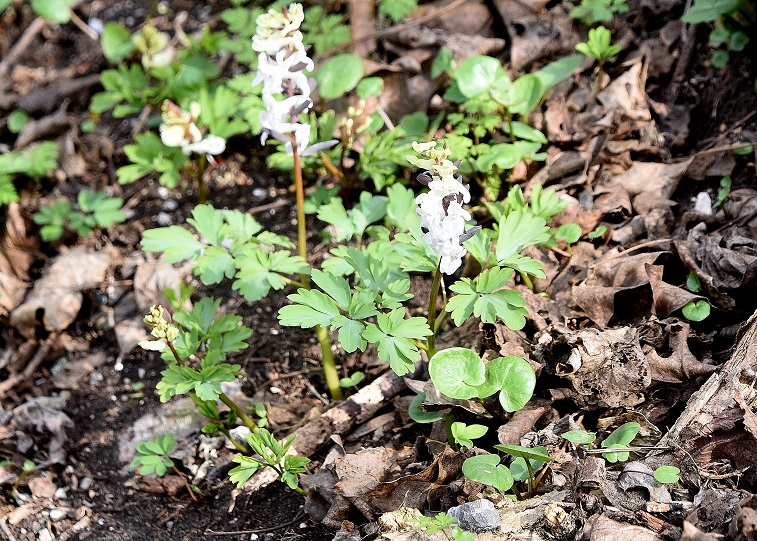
[352, 381]
[600, 49]
[96, 210]
[444, 523]
[463, 434]
[667, 475]
[530, 459]
[153, 457]
[591, 12]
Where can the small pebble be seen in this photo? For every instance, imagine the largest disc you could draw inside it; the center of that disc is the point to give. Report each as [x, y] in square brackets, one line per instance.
[258, 192]
[164, 219]
[254, 537]
[141, 373]
[118, 367]
[60, 494]
[97, 25]
[57, 514]
[163, 192]
[85, 483]
[276, 390]
[45, 535]
[169, 205]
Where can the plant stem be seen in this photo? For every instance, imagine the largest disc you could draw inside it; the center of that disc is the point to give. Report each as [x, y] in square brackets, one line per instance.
[186, 484]
[241, 448]
[329, 364]
[249, 423]
[301, 491]
[526, 281]
[517, 493]
[300, 191]
[202, 188]
[600, 77]
[435, 285]
[531, 482]
[510, 125]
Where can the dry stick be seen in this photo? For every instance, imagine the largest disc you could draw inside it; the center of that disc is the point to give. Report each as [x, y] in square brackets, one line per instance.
[340, 419]
[39, 357]
[683, 63]
[725, 148]
[731, 129]
[296, 519]
[269, 206]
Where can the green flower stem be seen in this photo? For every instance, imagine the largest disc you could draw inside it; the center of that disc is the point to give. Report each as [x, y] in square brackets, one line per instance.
[300, 194]
[329, 364]
[531, 479]
[241, 448]
[435, 285]
[526, 281]
[202, 188]
[517, 493]
[248, 422]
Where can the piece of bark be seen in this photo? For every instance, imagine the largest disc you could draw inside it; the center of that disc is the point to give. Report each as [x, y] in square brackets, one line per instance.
[717, 421]
[363, 26]
[46, 99]
[340, 419]
[45, 127]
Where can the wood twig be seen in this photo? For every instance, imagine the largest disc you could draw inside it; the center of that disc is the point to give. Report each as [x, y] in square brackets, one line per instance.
[39, 357]
[295, 520]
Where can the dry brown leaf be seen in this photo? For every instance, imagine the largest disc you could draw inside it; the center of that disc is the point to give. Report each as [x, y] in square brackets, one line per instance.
[56, 298]
[666, 298]
[17, 247]
[692, 533]
[151, 279]
[627, 94]
[744, 525]
[606, 368]
[417, 490]
[681, 365]
[360, 472]
[603, 528]
[650, 185]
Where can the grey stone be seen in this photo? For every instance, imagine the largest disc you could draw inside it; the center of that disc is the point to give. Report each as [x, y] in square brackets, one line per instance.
[478, 516]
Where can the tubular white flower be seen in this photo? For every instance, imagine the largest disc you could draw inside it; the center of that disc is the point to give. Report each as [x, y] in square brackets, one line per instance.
[442, 215]
[281, 66]
[179, 130]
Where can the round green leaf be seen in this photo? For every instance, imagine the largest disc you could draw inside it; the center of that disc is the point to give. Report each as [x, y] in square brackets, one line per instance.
[515, 379]
[519, 469]
[696, 310]
[579, 437]
[525, 95]
[338, 75]
[370, 86]
[667, 475]
[17, 120]
[477, 74]
[456, 372]
[421, 416]
[570, 233]
[742, 151]
[719, 35]
[486, 469]
[57, 11]
[518, 451]
[720, 59]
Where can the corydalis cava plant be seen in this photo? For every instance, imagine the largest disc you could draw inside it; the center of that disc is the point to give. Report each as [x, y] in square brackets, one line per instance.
[441, 208]
[281, 65]
[179, 129]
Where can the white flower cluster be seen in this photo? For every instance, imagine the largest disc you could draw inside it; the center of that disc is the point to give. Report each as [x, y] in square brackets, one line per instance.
[281, 63]
[441, 209]
[179, 130]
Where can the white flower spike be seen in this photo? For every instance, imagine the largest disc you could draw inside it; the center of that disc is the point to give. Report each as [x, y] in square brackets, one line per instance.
[281, 65]
[442, 215]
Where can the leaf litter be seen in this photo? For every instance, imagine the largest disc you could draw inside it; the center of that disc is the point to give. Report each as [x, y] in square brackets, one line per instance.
[610, 340]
